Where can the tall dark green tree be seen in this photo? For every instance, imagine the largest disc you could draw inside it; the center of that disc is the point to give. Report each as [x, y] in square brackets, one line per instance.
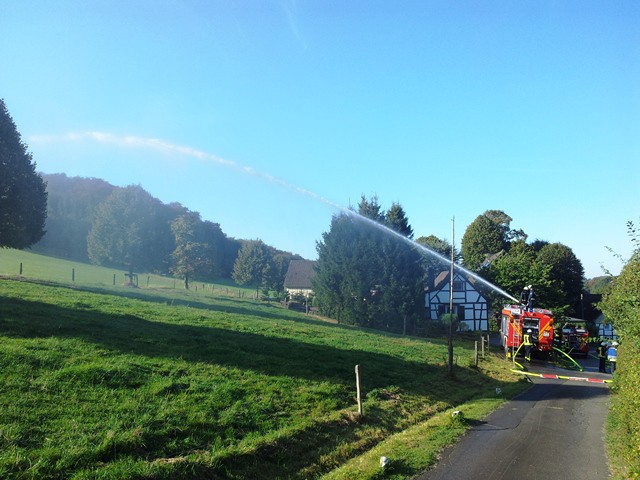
[371, 209]
[367, 276]
[23, 196]
[566, 275]
[254, 265]
[396, 219]
[198, 247]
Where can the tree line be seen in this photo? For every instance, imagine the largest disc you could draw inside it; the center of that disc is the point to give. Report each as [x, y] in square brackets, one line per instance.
[126, 227]
[369, 271]
[369, 277]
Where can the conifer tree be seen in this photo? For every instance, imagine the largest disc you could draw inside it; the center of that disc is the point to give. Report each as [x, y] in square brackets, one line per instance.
[23, 196]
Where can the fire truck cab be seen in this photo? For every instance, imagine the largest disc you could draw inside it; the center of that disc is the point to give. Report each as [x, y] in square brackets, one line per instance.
[515, 322]
[573, 337]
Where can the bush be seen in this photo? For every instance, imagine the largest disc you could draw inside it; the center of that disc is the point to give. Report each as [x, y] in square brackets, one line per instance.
[621, 305]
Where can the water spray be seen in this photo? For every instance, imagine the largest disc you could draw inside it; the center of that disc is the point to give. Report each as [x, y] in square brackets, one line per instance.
[166, 147]
[429, 251]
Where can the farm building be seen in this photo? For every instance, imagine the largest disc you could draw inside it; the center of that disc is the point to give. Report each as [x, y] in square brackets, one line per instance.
[298, 279]
[468, 304]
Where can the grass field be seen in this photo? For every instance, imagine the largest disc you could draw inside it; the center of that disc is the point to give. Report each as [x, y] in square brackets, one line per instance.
[22, 264]
[105, 383]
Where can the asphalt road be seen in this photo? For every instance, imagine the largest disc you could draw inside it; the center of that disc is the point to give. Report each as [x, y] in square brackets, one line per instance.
[555, 430]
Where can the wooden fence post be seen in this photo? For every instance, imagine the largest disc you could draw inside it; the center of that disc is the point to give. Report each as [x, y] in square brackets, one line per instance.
[20, 268]
[476, 353]
[358, 396]
[114, 279]
[73, 274]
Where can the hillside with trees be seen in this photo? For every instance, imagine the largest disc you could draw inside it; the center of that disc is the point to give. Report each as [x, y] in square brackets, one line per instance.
[366, 275]
[93, 221]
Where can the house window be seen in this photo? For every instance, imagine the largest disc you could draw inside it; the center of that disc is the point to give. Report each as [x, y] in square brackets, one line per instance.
[458, 286]
[458, 309]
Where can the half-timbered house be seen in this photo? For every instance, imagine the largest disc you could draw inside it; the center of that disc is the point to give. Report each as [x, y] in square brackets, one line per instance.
[469, 306]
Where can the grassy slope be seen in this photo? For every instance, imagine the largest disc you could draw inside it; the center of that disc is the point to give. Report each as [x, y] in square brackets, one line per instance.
[50, 269]
[172, 384]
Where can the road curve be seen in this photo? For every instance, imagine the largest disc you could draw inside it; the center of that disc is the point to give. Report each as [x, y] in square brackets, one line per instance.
[555, 430]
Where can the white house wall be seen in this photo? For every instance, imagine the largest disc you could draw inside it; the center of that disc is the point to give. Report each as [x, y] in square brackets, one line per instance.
[474, 304]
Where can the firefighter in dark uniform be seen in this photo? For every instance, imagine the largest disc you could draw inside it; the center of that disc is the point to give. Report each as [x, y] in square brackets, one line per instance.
[602, 357]
[524, 296]
[526, 341]
[531, 299]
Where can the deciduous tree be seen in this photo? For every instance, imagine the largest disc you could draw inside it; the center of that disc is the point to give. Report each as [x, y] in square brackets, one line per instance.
[482, 238]
[433, 264]
[486, 236]
[197, 247]
[71, 206]
[124, 230]
[254, 265]
[566, 275]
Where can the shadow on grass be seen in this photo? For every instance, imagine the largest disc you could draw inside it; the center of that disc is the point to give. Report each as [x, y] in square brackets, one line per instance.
[286, 457]
[243, 350]
[219, 303]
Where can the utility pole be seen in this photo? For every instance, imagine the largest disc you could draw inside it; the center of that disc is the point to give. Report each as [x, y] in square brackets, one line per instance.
[450, 342]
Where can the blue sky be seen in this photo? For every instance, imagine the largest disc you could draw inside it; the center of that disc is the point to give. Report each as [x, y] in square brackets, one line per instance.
[265, 115]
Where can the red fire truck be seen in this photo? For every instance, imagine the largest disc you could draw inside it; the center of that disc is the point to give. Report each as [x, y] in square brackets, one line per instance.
[516, 320]
[573, 337]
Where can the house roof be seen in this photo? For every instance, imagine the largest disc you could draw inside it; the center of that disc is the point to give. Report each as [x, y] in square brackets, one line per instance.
[299, 274]
[443, 278]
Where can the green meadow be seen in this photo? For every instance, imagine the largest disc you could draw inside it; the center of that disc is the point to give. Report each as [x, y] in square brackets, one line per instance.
[110, 382]
[28, 265]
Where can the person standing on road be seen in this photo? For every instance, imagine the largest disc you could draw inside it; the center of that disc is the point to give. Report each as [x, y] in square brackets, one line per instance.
[612, 355]
[602, 357]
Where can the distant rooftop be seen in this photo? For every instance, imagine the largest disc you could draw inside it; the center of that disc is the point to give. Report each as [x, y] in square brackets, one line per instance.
[300, 274]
